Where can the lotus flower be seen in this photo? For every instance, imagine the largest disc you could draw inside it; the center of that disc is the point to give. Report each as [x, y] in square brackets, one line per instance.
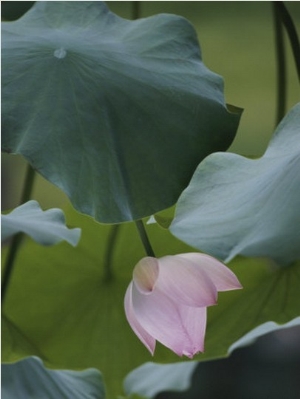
[168, 297]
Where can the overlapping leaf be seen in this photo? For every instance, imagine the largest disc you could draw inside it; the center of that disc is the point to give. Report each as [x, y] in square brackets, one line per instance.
[29, 378]
[45, 227]
[151, 378]
[75, 319]
[116, 113]
[234, 205]
[263, 329]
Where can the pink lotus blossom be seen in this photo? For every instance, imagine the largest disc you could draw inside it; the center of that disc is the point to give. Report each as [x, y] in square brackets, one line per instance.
[167, 299]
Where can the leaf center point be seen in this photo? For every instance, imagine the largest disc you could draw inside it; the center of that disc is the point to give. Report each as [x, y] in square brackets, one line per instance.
[60, 53]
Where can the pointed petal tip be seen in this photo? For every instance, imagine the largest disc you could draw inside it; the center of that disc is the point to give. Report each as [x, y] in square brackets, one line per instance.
[151, 350]
[220, 275]
[149, 345]
[234, 285]
[194, 350]
[191, 355]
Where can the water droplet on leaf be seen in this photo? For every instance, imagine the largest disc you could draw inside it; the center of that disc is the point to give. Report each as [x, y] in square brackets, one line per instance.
[60, 53]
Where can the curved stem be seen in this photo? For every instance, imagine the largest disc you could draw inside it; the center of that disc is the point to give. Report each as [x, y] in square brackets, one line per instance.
[145, 240]
[281, 66]
[291, 31]
[17, 239]
[111, 242]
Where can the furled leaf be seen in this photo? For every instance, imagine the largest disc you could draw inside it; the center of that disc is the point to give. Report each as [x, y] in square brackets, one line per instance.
[236, 205]
[29, 378]
[45, 227]
[75, 318]
[116, 113]
[151, 378]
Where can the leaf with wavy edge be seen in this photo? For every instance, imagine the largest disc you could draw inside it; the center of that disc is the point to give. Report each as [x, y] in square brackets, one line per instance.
[261, 330]
[45, 227]
[29, 378]
[234, 205]
[116, 113]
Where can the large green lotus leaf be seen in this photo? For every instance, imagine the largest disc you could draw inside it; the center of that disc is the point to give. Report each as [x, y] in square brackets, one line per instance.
[234, 205]
[29, 378]
[45, 227]
[116, 113]
[59, 300]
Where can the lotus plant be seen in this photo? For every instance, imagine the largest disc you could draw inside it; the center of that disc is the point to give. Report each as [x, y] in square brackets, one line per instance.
[167, 299]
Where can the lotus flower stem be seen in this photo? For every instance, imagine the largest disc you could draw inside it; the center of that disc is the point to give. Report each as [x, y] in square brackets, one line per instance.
[111, 243]
[291, 31]
[17, 239]
[13, 250]
[145, 240]
[281, 65]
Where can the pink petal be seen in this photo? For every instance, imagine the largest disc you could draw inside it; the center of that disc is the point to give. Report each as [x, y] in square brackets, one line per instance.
[194, 320]
[145, 274]
[221, 276]
[142, 334]
[162, 319]
[185, 282]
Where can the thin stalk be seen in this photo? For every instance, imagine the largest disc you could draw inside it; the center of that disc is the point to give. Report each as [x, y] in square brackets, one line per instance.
[13, 250]
[291, 31]
[111, 243]
[136, 9]
[28, 184]
[281, 66]
[17, 239]
[144, 237]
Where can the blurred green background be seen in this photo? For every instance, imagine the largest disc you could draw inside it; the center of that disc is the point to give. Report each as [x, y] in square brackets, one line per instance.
[237, 41]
